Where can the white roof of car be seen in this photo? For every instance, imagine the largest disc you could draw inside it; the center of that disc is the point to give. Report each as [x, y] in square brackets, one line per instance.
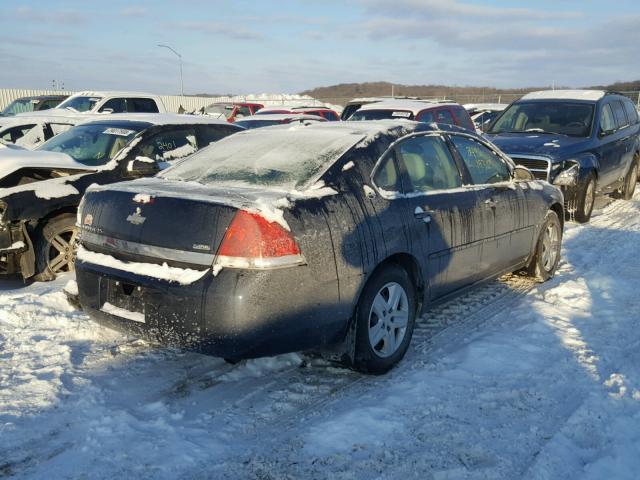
[414, 106]
[593, 95]
[160, 118]
[110, 93]
[494, 107]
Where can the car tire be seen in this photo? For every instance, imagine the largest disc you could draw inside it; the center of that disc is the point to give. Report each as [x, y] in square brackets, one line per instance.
[585, 199]
[56, 247]
[630, 180]
[546, 255]
[385, 317]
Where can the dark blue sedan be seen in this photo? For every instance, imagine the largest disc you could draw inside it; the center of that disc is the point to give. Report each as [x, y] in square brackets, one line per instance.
[337, 234]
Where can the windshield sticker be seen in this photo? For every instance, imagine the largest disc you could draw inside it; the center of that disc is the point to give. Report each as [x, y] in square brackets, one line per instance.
[401, 114]
[122, 132]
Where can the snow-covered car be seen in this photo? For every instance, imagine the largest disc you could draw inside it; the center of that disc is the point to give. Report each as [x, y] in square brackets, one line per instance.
[482, 114]
[426, 111]
[268, 120]
[333, 235]
[40, 190]
[30, 132]
[107, 102]
[34, 103]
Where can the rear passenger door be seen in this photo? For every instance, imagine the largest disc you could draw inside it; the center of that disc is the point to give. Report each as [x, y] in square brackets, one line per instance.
[610, 146]
[442, 216]
[504, 212]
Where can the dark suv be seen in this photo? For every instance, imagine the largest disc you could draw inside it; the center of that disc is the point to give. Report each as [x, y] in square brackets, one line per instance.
[584, 141]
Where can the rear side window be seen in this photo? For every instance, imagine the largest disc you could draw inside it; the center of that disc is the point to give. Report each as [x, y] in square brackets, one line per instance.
[632, 113]
[618, 113]
[484, 166]
[242, 112]
[607, 122]
[116, 105]
[330, 116]
[464, 120]
[142, 105]
[212, 133]
[429, 164]
[170, 145]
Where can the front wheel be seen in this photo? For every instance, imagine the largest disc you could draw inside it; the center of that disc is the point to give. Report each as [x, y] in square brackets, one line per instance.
[56, 247]
[385, 318]
[585, 199]
[547, 251]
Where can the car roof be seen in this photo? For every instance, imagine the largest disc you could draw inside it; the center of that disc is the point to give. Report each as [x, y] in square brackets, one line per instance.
[591, 95]
[496, 107]
[241, 104]
[282, 116]
[163, 119]
[414, 106]
[112, 93]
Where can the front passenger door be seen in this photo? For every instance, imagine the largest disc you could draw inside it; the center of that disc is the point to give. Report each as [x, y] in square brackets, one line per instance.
[504, 205]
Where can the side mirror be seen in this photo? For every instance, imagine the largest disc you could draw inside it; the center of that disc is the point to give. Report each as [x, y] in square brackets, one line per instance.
[142, 167]
[522, 174]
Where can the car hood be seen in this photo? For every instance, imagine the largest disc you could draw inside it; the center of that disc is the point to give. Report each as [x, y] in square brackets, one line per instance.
[557, 147]
[13, 159]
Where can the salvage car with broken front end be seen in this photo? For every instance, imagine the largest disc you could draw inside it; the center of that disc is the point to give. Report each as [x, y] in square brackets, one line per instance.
[40, 190]
[330, 235]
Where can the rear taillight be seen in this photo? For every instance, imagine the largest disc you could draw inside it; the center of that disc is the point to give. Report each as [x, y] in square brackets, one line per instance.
[251, 241]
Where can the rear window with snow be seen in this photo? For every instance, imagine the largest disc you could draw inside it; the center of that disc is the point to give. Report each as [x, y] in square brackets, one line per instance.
[284, 158]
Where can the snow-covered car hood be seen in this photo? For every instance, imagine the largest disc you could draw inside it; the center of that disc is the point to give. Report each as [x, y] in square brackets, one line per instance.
[13, 159]
[557, 147]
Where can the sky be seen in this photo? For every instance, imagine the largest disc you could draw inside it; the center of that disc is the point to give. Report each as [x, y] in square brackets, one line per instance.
[287, 46]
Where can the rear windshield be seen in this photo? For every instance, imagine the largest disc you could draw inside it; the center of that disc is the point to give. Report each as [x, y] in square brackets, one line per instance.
[381, 115]
[91, 144]
[555, 117]
[281, 158]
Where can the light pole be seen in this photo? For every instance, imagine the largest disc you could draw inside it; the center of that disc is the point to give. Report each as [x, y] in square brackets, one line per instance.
[180, 59]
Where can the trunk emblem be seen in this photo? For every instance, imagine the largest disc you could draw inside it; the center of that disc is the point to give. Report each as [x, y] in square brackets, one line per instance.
[135, 218]
[200, 246]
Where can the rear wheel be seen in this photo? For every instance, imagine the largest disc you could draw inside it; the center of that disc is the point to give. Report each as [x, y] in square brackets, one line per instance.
[56, 247]
[629, 187]
[385, 319]
[585, 199]
[547, 252]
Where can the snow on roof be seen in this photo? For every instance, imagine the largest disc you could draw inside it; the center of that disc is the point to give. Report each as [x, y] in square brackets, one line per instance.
[592, 95]
[413, 106]
[496, 107]
[112, 93]
[160, 118]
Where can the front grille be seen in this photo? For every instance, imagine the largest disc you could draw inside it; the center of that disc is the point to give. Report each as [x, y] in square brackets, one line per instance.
[540, 167]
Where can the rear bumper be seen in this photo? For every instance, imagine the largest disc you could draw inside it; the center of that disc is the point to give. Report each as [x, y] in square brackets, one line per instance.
[236, 314]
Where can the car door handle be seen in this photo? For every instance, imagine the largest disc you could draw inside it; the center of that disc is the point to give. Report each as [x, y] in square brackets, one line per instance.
[422, 214]
[490, 202]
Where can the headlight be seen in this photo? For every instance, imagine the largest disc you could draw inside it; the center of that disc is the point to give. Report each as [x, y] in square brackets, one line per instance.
[569, 176]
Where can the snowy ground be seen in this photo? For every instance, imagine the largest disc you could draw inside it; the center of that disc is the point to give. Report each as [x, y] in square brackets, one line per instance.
[513, 380]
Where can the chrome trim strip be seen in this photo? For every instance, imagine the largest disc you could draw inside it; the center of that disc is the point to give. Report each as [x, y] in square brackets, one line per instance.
[161, 253]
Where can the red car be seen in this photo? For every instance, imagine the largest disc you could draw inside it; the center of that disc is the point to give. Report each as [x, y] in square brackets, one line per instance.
[232, 110]
[419, 110]
[324, 112]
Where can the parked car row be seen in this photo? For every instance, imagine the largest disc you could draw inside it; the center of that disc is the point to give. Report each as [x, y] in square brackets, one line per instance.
[306, 233]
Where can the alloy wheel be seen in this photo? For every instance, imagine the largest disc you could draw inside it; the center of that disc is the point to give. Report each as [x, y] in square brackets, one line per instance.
[550, 246]
[62, 249]
[388, 319]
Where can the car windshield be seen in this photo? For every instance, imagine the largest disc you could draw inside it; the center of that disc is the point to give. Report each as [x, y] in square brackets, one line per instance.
[381, 115]
[279, 158]
[80, 104]
[91, 144]
[219, 110]
[20, 105]
[554, 117]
